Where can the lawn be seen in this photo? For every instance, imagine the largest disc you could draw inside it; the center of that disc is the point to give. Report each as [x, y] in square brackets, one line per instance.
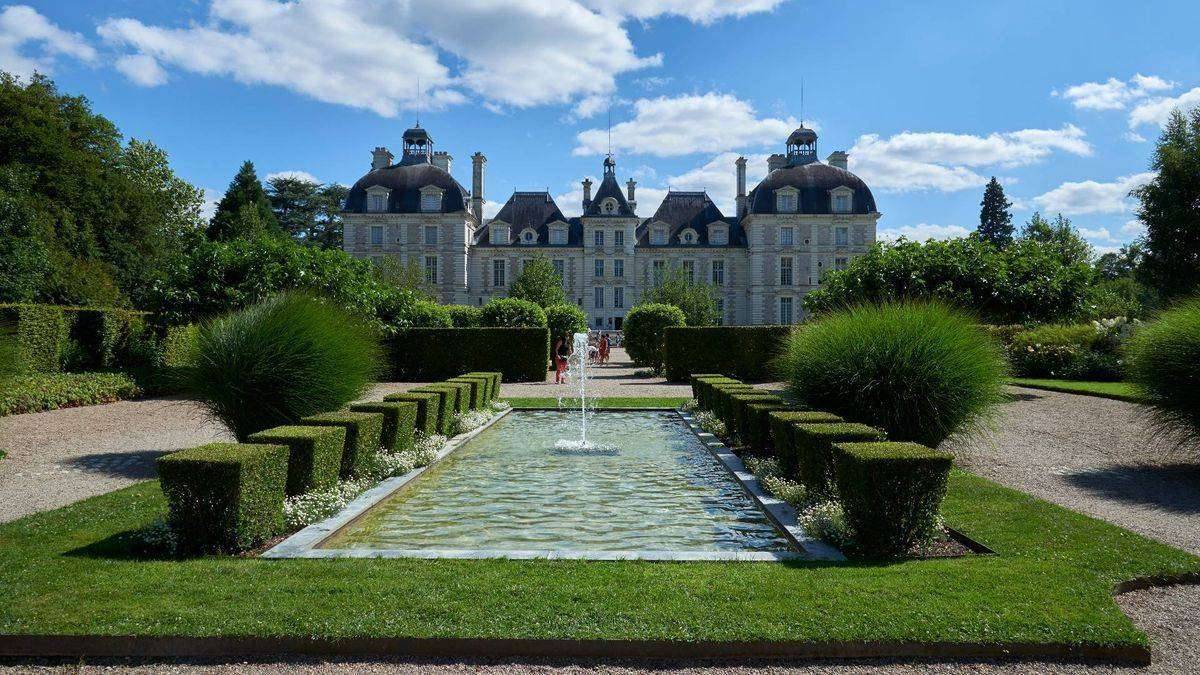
[602, 402]
[1122, 391]
[74, 571]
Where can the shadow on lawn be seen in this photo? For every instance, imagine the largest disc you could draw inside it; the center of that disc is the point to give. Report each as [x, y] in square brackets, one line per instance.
[127, 545]
[1170, 487]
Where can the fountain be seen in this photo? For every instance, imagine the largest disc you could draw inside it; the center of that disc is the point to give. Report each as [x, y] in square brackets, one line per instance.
[577, 374]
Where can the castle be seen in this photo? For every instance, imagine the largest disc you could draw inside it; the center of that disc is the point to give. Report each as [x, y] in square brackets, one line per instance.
[803, 218]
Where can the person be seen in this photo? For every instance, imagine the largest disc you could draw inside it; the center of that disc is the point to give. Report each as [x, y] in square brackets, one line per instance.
[604, 346]
[562, 352]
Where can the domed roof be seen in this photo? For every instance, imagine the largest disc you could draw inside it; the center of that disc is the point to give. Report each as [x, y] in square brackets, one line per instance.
[417, 135]
[802, 136]
[405, 182]
[814, 181]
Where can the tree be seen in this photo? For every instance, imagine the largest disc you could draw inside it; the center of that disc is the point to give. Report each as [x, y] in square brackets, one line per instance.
[697, 300]
[538, 283]
[645, 328]
[1120, 264]
[565, 319]
[244, 211]
[512, 313]
[409, 277]
[995, 219]
[309, 211]
[1170, 208]
[1061, 236]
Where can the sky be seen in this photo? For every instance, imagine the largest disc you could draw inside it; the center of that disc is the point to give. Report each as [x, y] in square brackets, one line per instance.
[1062, 101]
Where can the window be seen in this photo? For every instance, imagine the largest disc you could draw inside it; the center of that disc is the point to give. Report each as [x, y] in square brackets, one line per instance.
[619, 297]
[842, 236]
[689, 270]
[558, 236]
[608, 206]
[688, 237]
[376, 235]
[718, 236]
[787, 236]
[431, 271]
[431, 201]
[839, 263]
[785, 271]
[524, 264]
[499, 234]
[659, 236]
[560, 267]
[659, 268]
[619, 269]
[785, 202]
[598, 297]
[785, 311]
[528, 237]
[619, 238]
[720, 311]
[377, 203]
[599, 268]
[841, 203]
[718, 273]
[431, 235]
[599, 238]
[499, 268]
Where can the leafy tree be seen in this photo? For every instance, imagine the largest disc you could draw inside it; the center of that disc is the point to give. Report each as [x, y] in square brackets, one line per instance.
[1120, 264]
[645, 327]
[465, 316]
[565, 319]
[697, 300]
[309, 211]
[245, 210]
[513, 313]
[1061, 237]
[408, 277]
[995, 219]
[538, 283]
[1170, 208]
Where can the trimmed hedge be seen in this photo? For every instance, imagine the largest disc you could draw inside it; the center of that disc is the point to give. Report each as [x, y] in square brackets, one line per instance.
[810, 457]
[458, 401]
[495, 377]
[475, 394]
[744, 352]
[891, 493]
[740, 421]
[49, 391]
[645, 330]
[399, 422]
[314, 455]
[224, 497]
[782, 424]
[722, 403]
[363, 436]
[54, 338]
[698, 380]
[445, 405]
[426, 354]
[429, 409]
[757, 434]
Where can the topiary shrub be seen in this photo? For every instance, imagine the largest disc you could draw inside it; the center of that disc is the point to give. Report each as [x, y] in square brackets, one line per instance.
[919, 370]
[363, 438]
[513, 313]
[744, 352]
[565, 319]
[810, 458]
[783, 427]
[428, 314]
[495, 377]
[224, 497]
[890, 493]
[280, 361]
[465, 316]
[645, 329]
[314, 454]
[757, 420]
[399, 422]
[427, 354]
[429, 406]
[43, 335]
[474, 393]
[1164, 363]
[723, 400]
[740, 421]
[446, 407]
[697, 380]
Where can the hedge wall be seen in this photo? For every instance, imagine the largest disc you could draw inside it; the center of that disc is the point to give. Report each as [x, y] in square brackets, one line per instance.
[364, 432]
[399, 422]
[744, 352]
[428, 354]
[52, 339]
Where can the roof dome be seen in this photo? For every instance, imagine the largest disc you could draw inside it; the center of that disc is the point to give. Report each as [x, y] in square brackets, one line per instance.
[802, 136]
[405, 182]
[813, 181]
[417, 135]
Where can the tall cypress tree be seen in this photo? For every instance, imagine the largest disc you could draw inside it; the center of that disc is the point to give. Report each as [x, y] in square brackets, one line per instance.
[245, 210]
[995, 220]
[1171, 209]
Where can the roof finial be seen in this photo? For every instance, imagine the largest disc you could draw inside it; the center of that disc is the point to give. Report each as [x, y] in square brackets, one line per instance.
[801, 100]
[610, 129]
[418, 101]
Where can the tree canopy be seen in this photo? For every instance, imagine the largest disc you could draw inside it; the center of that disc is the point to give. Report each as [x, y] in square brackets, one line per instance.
[697, 300]
[1170, 209]
[244, 211]
[995, 219]
[538, 283]
[307, 210]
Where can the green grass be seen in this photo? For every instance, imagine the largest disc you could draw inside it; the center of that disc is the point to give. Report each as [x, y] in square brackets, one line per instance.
[602, 402]
[73, 571]
[49, 391]
[1122, 391]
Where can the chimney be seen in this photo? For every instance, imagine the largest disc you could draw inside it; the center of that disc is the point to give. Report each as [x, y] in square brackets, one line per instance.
[442, 159]
[380, 157]
[776, 161]
[839, 159]
[741, 186]
[587, 193]
[629, 188]
[477, 162]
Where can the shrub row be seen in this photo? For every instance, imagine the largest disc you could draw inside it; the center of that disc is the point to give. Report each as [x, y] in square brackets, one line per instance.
[228, 497]
[53, 339]
[1073, 351]
[889, 491]
[50, 391]
[744, 352]
[423, 354]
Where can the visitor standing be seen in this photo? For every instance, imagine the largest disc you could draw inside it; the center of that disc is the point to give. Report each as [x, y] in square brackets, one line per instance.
[604, 347]
[561, 354]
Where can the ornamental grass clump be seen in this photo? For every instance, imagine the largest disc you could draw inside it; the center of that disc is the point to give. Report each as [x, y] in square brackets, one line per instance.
[919, 370]
[1164, 363]
[279, 361]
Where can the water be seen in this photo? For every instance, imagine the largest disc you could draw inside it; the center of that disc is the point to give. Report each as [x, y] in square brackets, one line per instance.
[510, 489]
[577, 372]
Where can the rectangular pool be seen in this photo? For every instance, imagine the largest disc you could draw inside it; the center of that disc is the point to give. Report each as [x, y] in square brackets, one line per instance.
[656, 488]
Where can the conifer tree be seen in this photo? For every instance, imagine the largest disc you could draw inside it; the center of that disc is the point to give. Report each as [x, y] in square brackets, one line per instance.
[995, 220]
[245, 210]
[1170, 209]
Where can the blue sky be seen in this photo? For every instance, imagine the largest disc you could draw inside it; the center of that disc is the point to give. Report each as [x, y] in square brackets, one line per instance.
[1061, 100]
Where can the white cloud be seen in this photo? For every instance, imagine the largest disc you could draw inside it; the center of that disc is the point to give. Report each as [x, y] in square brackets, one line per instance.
[1114, 94]
[1101, 233]
[588, 106]
[682, 125]
[923, 232]
[1089, 196]
[298, 175]
[142, 70]
[947, 161]
[1133, 228]
[1158, 110]
[211, 199]
[700, 11]
[24, 30]
[491, 208]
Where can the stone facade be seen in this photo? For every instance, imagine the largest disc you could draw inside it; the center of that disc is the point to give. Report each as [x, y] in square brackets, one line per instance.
[803, 219]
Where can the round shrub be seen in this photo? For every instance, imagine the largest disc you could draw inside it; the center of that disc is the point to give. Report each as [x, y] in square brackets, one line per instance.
[429, 314]
[645, 327]
[465, 316]
[565, 319]
[1164, 362]
[278, 361]
[921, 371]
[513, 313]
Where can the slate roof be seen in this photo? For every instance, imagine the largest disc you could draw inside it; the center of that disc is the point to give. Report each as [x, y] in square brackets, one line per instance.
[696, 210]
[533, 210]
[814, 181]
[609, 188]
[405, 182]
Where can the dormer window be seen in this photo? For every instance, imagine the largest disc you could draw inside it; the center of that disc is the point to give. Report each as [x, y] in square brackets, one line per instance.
[688, 237]
[377, 199]
[718, 235]
[528, 237]
[658, 236]
[558, 236]
[499, 233]
[431, 199]
[787, 200]
[842, 200]
[608, 207]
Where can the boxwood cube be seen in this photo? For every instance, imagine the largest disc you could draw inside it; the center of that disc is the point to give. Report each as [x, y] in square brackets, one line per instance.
[224, 497]
[363, 436]
[741, 411]
[474, 392]
[429, 408]
[758, 424]
[783, 439]
[445, 405]
[696, 379]
[496, 378]
[813, 450]
[399, 422]
[314, 455]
